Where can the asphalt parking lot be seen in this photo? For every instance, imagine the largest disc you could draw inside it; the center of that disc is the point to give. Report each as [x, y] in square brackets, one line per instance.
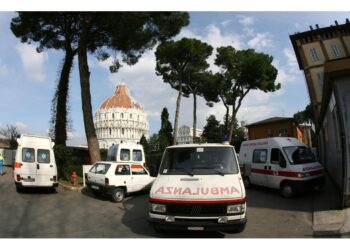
[39, 213]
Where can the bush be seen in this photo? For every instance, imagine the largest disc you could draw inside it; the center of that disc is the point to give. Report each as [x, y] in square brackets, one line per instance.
[63, 156]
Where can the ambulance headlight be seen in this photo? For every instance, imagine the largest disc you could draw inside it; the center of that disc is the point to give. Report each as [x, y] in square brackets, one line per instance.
[158, 208]
[236, 209]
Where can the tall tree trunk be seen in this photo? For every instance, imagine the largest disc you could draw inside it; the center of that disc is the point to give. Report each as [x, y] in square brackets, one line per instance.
[226, 118]
[194, 116]
[178, 102]
[84, 74]
[232, 125]
[62, 99]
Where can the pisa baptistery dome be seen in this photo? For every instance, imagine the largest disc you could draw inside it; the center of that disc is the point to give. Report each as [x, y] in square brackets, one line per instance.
[120, 119]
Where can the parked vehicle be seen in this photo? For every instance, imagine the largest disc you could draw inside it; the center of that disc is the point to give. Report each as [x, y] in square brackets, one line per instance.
[282, 163]
[126, 152]
[35, 164]
[198, 187]
[117, 179]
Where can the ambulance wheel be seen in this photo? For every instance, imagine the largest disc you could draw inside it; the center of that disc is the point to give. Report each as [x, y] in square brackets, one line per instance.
[247, 183]
[118, 195]
[19, 189]
[287, 190]
[96, 193]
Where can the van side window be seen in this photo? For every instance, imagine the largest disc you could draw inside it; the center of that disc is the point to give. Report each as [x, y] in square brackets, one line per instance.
[122, 170]
[260, 156]
[138, 170]
[137, 155]
[28, 155]
[43, 156]
[125, 154]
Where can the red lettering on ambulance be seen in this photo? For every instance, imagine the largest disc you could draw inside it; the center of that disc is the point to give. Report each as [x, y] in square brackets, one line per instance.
[177, 190]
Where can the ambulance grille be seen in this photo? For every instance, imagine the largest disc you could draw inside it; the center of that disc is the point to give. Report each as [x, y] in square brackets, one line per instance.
[196, 209]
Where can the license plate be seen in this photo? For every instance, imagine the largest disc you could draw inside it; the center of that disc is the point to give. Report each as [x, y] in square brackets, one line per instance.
[94, 187]
[196, 228]
[29, 180]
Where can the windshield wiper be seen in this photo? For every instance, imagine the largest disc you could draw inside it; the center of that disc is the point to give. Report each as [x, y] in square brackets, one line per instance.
[219, 172]
[190, 173]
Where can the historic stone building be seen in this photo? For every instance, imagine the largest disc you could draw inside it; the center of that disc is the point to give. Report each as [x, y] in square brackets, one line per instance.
[185, 135]
[120, 119]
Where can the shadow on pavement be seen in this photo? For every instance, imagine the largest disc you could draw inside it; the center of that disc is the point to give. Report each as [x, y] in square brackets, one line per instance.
[136, 214]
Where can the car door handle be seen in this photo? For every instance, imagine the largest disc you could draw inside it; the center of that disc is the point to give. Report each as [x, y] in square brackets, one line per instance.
[51, 166]
[37, 166]
[265, 167]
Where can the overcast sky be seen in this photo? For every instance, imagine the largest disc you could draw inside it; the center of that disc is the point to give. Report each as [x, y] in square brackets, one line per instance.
[28, 79]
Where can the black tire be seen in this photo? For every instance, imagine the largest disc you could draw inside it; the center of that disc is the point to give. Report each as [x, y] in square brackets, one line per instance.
[118, 195]
[96, 193]
[247, 183]
[19, 189]
[287, 190]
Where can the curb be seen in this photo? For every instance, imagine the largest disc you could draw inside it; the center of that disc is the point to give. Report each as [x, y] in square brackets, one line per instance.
[328, 223]
[65, 187]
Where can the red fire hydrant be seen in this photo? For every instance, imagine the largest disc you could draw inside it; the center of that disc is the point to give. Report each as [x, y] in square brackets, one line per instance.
[73, 178]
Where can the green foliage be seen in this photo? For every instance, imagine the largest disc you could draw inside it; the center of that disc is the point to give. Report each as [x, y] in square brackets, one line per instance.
[165, 136]
[63, 156]
[305, 116]
[144, 143]
[11, 133]
[212, 131]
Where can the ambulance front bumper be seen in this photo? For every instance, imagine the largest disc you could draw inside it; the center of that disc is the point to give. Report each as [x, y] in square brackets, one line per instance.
[310, 184]
[223, 223]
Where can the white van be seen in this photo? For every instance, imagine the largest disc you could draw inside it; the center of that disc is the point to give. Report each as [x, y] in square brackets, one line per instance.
[198, 187]
[282, 163]
[35, 164]
[117, 179]
[126, 152]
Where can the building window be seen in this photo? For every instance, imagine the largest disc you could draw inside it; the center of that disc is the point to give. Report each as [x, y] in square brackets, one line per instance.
[314, 55]
[110, 131]
[283, 131]
[123, 131]
[335, 50]
[130, 116]
[113, 116]
[122, 115]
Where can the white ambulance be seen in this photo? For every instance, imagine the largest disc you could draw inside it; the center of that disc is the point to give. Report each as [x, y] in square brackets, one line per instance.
[117, 179]
[282, 163]
[198, 187]
[35, 164]
[126, 152]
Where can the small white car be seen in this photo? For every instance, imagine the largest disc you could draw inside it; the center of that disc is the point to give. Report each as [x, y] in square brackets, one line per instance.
[117, 179]
[35, 164]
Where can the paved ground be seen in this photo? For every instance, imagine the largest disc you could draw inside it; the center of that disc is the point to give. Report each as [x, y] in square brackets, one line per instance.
[68, 214]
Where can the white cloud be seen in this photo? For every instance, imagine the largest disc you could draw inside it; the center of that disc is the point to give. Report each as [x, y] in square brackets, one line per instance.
[245, 20]
[261, 40]
[32, 61]
[291, 58]
[255, 113]
[217, 39]
[22, 127]
[3, 69]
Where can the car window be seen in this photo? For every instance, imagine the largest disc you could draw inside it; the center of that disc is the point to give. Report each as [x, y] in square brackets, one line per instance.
[260, 156]
[137, 155]
[125, 154]
[93, 169]
[28, 155]
[43, 156]
[122, 170]
[102, 168]
[138, 170]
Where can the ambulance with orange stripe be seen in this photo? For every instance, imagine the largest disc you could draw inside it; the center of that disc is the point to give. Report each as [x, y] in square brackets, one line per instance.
[282, 163]
[198, 187]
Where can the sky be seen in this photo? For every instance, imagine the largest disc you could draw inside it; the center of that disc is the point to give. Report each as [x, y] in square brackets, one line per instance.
[28, 79]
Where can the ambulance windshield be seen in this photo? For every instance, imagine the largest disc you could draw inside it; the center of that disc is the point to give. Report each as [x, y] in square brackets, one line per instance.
[199, 161]
[299, 154]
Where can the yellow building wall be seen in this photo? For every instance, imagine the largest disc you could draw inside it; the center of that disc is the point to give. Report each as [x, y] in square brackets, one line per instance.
[336, 41]
[317, 83]
[307, 52]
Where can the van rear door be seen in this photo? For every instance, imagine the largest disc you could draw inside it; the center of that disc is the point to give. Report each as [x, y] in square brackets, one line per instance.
[28, 168]
[44, 166]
